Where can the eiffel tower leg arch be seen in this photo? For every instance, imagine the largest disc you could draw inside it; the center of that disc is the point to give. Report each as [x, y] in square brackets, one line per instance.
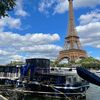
[61, 59]
[63, 56]
[71, 55]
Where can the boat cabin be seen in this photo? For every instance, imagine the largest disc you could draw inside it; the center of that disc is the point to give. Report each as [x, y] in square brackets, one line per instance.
[9, 73]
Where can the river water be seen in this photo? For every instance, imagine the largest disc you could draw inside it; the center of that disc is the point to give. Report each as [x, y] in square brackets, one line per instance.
[93, 92]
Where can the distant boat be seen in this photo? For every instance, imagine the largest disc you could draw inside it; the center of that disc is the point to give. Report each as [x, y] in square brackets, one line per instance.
[89, 76]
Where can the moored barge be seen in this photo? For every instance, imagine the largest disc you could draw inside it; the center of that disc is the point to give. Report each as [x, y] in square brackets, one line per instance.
[37, 78]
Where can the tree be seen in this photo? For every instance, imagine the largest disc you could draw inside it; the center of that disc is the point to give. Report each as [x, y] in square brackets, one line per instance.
[5, 6]
[54, 63]
[90, 62]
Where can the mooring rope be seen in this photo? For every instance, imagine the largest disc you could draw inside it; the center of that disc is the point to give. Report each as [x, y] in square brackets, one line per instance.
[58, 91]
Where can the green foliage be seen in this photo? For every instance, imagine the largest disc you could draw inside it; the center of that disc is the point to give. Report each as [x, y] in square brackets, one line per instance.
[55, 63]
[90, 62]
[5, 6]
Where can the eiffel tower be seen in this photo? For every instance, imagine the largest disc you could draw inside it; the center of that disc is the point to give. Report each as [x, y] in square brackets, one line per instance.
[72, 47]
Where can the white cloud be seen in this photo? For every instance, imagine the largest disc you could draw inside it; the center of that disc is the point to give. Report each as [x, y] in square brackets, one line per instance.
[91, 17]
[3, 53]
[89, 29]
[86, 3]
[19, 8]
[10, 23]
[60, 6]
[46, 51]
[15, 39]
[45, 5]
[41, 48]
[15, 46]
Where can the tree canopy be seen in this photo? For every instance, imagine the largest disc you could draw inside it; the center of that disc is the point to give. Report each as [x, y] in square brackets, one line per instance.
[5, 6]
[90, 62]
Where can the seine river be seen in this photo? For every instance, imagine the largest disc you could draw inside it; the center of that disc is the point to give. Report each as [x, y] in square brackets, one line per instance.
[93, 92]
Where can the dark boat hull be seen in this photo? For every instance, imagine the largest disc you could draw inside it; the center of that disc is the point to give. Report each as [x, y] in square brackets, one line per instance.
[89, 76]
[52, 90]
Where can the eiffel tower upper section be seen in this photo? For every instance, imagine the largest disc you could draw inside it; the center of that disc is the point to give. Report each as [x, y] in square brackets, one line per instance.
[71, 29]
[72, 46]
[72, 40]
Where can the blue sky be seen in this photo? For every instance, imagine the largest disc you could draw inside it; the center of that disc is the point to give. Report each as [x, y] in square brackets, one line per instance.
[36, 28]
